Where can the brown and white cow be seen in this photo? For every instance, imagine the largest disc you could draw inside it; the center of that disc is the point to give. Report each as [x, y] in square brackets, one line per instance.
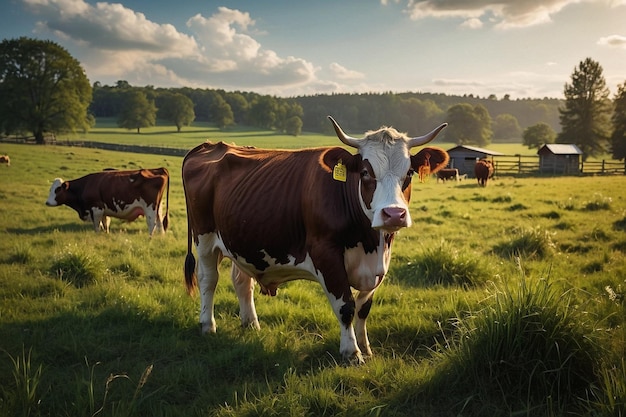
[122, 194]
[319, 214]
[483, 170]
[4, 159]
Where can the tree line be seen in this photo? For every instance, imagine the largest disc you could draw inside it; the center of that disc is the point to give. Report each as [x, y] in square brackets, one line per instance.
[45, 90]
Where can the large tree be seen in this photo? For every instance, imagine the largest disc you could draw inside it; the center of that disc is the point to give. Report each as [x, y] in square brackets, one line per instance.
[42, 89]
[137, 111]
[618, 120]
[537, 135]
[177, 108]
[469, 125]
[585, 118]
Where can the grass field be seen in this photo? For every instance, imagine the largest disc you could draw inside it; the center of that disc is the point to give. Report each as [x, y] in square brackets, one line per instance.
[505, 300]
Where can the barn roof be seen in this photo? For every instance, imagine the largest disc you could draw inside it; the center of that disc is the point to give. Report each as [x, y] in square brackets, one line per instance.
[474, 149]
[560, 149]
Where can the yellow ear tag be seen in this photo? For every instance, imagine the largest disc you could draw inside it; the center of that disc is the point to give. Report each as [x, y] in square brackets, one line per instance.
[340, 172]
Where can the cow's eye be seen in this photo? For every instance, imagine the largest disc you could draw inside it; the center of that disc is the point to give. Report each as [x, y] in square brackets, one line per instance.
[410, 173]
[365, 173]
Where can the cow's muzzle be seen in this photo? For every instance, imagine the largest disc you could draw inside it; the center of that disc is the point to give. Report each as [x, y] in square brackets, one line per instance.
[394, 218]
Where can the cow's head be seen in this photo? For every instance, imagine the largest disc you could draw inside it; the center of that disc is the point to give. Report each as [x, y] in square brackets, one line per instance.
[386, 170]
[57, 191]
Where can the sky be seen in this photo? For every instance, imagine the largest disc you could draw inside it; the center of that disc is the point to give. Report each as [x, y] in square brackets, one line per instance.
[288, 48]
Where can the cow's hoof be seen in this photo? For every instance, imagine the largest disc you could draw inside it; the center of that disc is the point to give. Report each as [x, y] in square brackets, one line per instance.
[206, 328]
[254, 325]
[353, 359]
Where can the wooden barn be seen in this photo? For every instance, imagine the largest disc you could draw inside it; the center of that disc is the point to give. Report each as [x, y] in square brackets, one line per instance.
[559, 158]
[463, 158]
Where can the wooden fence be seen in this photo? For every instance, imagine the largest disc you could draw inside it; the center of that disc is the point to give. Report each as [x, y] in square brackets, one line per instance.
[530, 165]
[504, 165]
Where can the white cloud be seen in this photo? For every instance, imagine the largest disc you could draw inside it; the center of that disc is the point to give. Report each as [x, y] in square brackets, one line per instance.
[613, 41]
[115, 42]
[342, 73]
[505, 14]
[472, 23]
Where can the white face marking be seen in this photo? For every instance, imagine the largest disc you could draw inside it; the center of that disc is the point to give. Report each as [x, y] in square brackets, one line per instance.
[390, 163]
[51, 201]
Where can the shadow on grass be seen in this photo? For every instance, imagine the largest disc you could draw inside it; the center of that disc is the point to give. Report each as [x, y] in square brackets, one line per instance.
[70, 227]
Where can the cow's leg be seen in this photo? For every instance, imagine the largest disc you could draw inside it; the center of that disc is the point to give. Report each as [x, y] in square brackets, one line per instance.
[344, 308]
[151, 219]
[208, 260]
[98, 219]
[244, 288]
[363, 305]
[106, 223]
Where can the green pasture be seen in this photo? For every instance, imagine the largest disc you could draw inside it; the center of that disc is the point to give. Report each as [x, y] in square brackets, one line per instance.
[164, 135]
[501, 301]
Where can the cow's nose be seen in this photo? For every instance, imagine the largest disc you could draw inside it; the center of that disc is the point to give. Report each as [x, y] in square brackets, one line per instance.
[394, 217]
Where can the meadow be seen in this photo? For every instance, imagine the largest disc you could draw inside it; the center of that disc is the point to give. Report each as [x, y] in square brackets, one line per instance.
[501, 301]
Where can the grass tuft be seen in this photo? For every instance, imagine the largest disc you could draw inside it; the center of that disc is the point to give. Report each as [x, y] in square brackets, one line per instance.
[528, 350]
[443, 265]
[79, 268]
[527, 243]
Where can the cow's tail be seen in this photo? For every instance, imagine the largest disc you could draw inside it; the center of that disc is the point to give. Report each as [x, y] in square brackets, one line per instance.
[190, 261]
[166, 219]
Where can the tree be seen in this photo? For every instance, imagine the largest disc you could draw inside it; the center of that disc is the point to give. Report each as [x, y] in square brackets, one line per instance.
[618, 120]
[506, 126]
[537, 135]
[469, 125]
[293, 126]
[137, 111]
[221, 113]
[585, 118]
[177, 108]
[43, 89]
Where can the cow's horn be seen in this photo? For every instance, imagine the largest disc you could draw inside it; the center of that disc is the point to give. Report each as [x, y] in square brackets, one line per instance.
[421, 140]
[348, 140]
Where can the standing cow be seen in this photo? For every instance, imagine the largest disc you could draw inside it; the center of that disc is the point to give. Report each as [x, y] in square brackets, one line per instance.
[320, 214]
[483, 171]
[122, 194]
[4, 159]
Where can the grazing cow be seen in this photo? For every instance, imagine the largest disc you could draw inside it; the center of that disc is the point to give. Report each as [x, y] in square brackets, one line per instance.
[424, 170]
[448, 174]
[483, 171]
[122, 194]
[320, 214]
[4, 159]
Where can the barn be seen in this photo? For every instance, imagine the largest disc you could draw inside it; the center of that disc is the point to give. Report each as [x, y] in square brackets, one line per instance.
[463, 158]
[559, 158]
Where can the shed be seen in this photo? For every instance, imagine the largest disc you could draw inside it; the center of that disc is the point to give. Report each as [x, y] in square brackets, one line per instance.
[559, 158]
[463, 157]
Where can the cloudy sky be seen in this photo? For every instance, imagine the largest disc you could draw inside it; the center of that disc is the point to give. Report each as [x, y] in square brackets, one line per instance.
[524, 48]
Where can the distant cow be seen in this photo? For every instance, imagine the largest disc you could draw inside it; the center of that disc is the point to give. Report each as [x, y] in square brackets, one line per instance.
[321, 214]
[122, 194]
[448, 174]
[483, 171]
[424, 169]
[4, 159]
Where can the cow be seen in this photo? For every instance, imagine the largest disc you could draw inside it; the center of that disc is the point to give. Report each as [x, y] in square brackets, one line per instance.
[483, 170]
[448, 174]
[424, 170]
[125, 195]
[321, 214]
[4, 159]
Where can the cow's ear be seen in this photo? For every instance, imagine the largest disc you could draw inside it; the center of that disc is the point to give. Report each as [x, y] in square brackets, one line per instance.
[438, 158]
[65, 185]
